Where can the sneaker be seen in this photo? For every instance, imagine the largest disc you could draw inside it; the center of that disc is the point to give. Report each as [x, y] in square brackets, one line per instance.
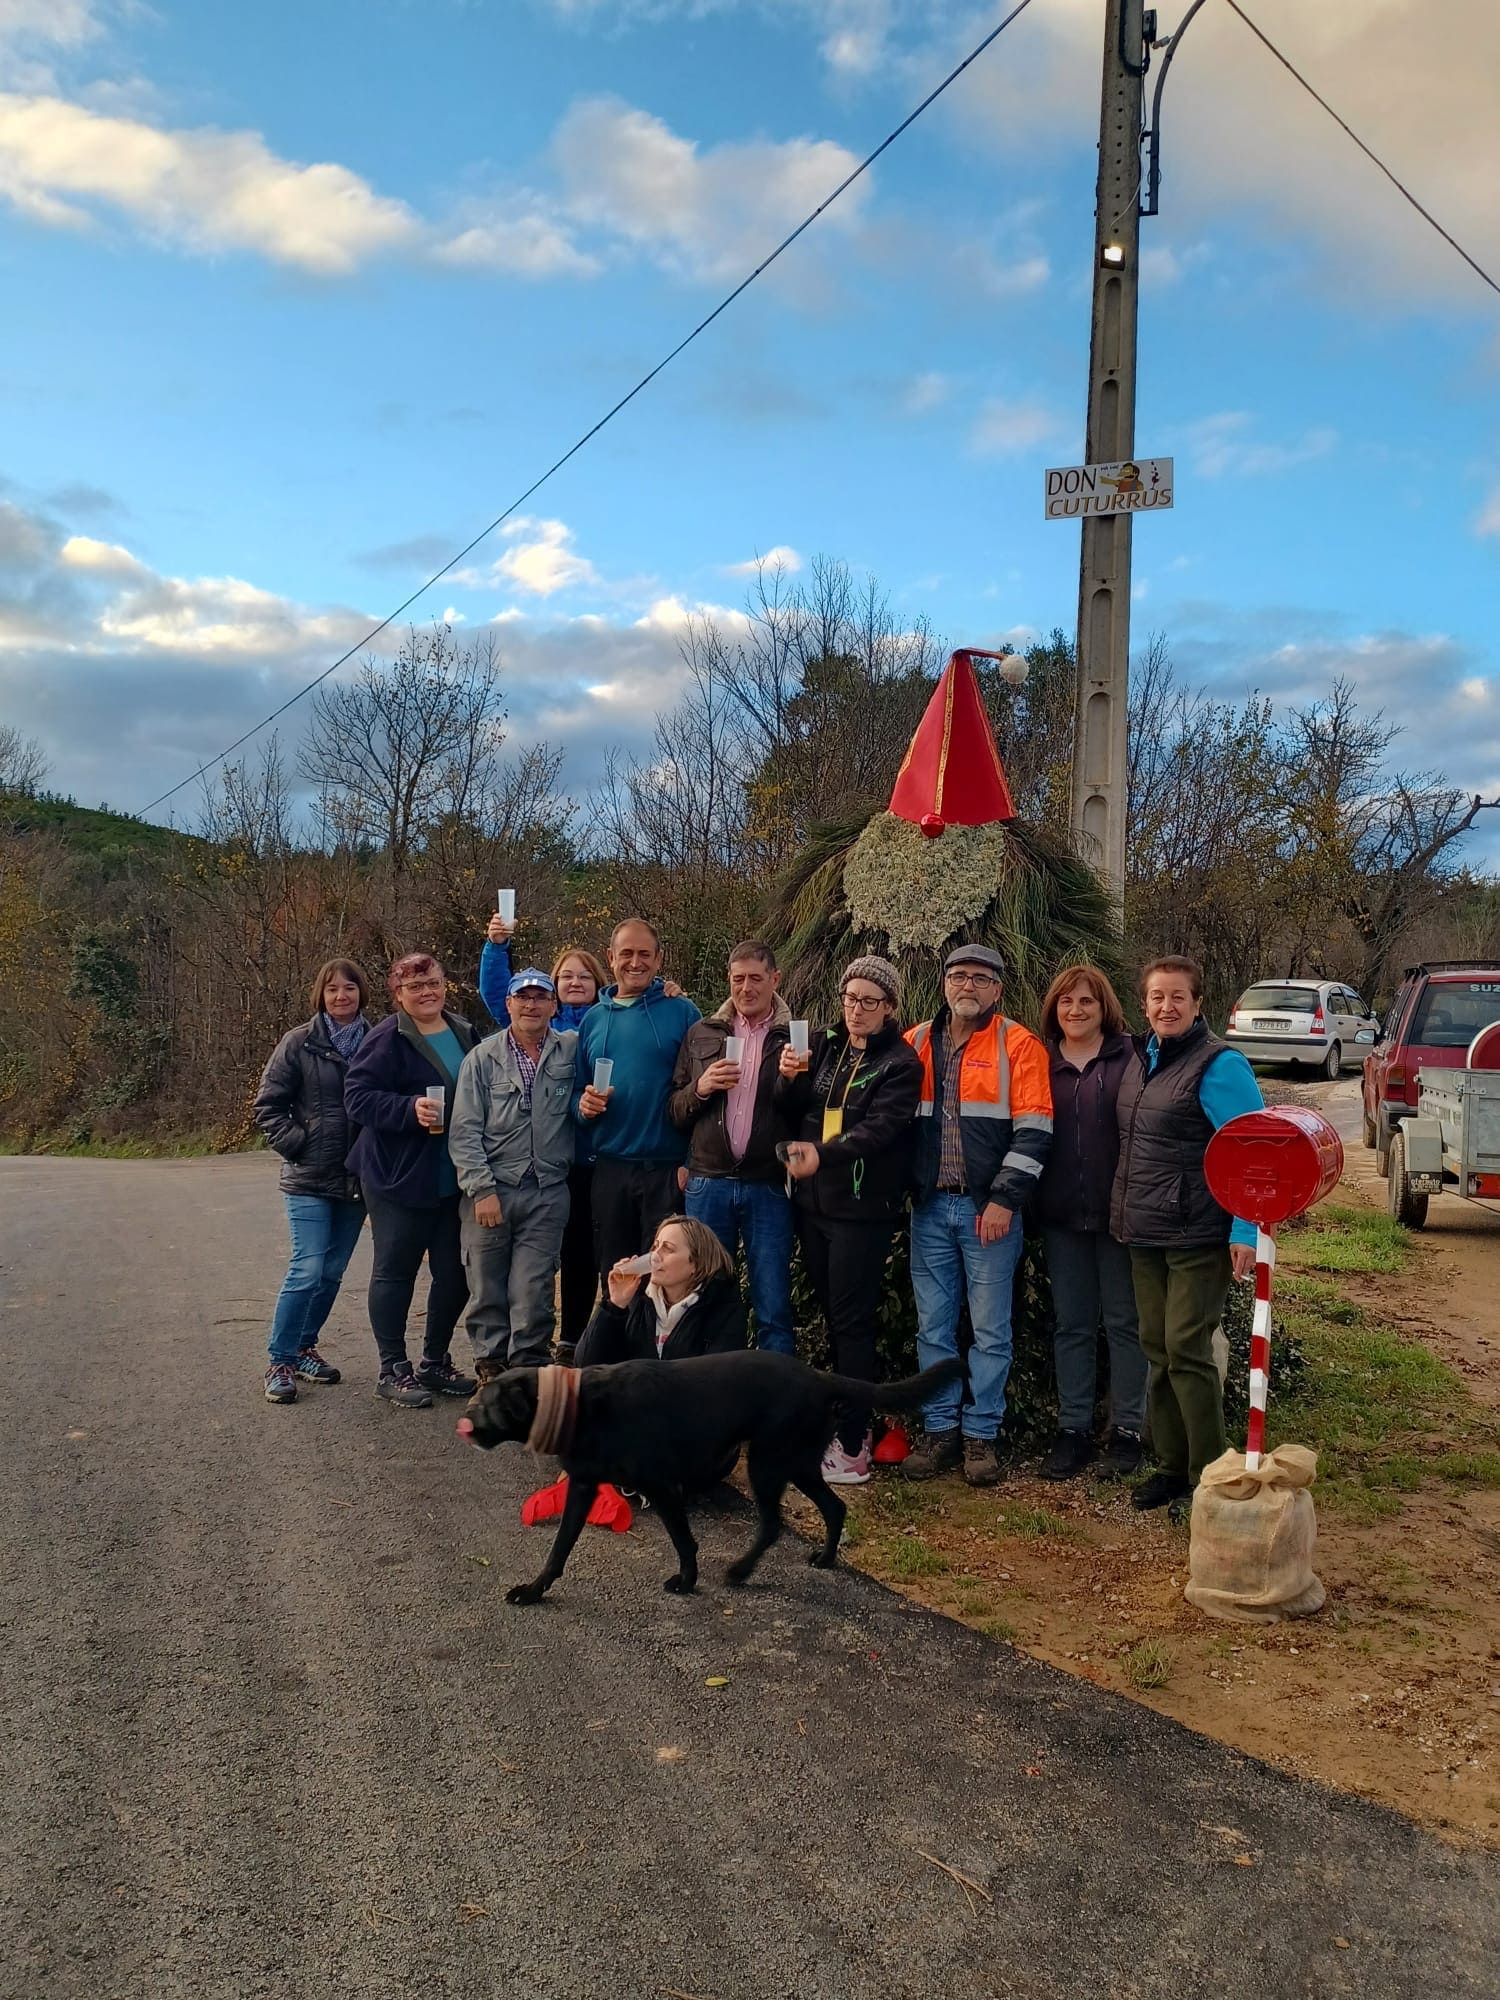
[841, 1468]
[1121, 1455]
[281, 1383]
[1160, 1490]
[562, 1354]
[982, 1462]
[934, 1452]
[443, 1379]
[1070, 1453]
[401, 1387]
[313, 1368]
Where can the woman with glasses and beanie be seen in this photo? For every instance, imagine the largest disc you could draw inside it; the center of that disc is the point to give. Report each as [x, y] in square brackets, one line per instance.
[410, 1186]
[855, 1102]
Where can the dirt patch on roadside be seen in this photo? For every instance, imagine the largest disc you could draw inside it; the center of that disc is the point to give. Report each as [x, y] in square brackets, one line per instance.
[1391, 1692]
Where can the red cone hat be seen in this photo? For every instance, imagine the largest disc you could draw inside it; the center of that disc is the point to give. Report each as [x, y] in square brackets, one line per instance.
[952, 775]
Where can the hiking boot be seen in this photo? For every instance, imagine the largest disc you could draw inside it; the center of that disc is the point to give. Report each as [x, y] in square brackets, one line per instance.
[843, 1468]
[934, 1452]
[1160, 1490]
[563, 1353]
[1070, 1453]
[443, 1379]
[400, 1386]
[281, 1383]
[1121, 1455]
[313, 1368]
[981, 1462]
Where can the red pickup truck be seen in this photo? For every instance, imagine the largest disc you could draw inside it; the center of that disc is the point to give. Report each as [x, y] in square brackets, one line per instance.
[1438, 1010]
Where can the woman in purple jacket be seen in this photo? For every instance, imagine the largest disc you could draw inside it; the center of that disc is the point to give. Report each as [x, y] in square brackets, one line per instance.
[1083, 1027]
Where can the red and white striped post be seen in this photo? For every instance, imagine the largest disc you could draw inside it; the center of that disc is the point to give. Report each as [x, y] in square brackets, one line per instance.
[1268, 1166]
[1260, 1346]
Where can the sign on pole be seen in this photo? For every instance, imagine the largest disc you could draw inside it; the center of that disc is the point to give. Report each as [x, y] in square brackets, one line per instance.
[1129, 486]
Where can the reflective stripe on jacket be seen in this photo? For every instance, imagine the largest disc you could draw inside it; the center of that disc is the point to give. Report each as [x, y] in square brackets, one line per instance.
[1004, 1108]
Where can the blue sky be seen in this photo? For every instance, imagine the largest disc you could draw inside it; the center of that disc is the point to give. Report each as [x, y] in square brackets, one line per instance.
[298, 297]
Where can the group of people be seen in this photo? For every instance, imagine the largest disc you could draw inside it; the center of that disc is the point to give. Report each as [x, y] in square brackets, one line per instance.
[609, 1136]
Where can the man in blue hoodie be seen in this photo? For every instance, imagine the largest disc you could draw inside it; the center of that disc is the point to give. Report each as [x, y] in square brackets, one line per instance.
[638, 1152]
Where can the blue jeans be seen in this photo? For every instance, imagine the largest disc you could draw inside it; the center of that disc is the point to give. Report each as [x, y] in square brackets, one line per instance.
[324, 1233]
[757, 1214]
[948, 1260]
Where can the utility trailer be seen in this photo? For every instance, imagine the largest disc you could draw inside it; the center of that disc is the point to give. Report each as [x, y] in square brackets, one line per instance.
[1452, 1146]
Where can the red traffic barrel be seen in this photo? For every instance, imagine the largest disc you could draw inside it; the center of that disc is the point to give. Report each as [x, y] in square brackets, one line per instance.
[1271, 1165]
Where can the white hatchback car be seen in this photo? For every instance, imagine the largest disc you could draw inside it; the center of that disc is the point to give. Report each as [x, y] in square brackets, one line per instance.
[1315, 1021]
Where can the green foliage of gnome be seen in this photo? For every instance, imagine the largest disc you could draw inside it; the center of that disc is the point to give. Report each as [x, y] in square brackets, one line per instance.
[947, 864]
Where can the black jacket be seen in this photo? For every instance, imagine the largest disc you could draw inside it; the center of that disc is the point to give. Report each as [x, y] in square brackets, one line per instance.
[704, 1119]
[1080, 1170]
[300, 1108]
[714, 1325]
[1161, 1198]
[863, 1174]
[393, 1155]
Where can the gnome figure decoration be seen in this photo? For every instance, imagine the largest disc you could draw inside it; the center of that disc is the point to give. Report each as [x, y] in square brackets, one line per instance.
[948, 863]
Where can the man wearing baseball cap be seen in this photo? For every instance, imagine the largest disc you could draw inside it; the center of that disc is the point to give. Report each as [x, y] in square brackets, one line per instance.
[984, 1126]
[511, 1139]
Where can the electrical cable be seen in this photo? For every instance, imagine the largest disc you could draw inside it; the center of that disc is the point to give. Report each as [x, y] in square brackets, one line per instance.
[557, 465]
[1402, 190]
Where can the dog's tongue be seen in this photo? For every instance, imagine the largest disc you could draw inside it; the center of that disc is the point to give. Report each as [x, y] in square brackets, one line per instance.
[465, 1427]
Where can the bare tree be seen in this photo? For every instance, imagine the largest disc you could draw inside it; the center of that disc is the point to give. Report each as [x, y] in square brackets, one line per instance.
[23, 762]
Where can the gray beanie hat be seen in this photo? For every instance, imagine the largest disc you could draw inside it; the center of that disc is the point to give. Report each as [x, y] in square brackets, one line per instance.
[879, 971]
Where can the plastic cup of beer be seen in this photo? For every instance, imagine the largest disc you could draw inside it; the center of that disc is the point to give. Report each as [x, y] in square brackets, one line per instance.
[734, 1048]
[799, 1043]
[506, 902]
[639, 1267]
[604, 1069]
[435, 1095]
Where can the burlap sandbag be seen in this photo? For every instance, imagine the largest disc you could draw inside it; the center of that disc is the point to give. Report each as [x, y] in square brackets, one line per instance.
[1253, 1537]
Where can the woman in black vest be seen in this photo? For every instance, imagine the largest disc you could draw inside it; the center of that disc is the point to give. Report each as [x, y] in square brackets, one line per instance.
[1184, 1248]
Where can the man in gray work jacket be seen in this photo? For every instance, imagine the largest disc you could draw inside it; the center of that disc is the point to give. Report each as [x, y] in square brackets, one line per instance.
[511, 1140]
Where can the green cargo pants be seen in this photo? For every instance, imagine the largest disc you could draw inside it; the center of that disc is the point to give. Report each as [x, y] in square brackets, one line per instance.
[1179, 1300]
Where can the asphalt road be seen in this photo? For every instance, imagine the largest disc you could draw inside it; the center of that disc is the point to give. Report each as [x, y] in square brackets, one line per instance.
[271, 1729]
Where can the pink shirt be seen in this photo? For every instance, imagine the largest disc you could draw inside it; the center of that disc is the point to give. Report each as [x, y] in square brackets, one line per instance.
[739, 1103]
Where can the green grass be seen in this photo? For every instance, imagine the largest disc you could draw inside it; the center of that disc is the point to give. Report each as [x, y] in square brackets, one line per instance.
[1355, 1240]
[907, 1556]
[1037, 1523]
[60, 1145]
[997, 1628]
[1148, 1665]
[1467, 1468]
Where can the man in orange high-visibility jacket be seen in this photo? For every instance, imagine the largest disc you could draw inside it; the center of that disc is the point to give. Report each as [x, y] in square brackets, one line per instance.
[984, 1126]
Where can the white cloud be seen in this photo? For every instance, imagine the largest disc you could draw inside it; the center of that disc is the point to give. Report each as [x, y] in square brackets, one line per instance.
[781, 557]
[1003, 428]
[1488, 522]
[543, 564]
[1222, 445]
[708, 214]
[925, 392]
[102, 558]
[522, 238]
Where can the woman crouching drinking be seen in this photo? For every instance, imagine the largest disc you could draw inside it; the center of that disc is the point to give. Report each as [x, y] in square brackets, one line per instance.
[689, 1304]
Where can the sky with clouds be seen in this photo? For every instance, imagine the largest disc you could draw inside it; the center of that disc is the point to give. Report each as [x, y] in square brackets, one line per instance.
[300, 296]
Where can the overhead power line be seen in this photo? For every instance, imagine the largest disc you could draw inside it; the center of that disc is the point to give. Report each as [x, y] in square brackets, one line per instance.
[1400, 187]
[609, 415]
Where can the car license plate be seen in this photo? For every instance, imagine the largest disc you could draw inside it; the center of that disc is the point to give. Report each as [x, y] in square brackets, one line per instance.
[1276, 1027]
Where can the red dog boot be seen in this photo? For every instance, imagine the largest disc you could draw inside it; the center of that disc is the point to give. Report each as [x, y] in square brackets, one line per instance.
[545, 1505]
[894, 1446]
[611, 1510]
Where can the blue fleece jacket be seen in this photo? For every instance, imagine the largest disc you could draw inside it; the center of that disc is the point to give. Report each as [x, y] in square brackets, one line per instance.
[1228, 1089]
[494, 977]
[642, 1040]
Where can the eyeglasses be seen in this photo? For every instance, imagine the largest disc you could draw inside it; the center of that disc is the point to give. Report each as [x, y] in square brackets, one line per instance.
[971, 979]
[865, 1006]
[424, 985]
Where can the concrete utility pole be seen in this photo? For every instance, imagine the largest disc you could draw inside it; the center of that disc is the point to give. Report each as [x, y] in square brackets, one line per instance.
[1099, 737]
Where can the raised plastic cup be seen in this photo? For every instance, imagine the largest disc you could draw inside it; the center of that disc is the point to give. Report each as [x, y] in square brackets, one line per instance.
[639, 1266]
[799, 1038]
[604, 1069]
[435, 1095]
[734, 1048]
[506, 901]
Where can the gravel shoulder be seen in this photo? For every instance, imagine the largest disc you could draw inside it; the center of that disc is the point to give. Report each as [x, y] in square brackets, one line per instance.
[273, 1730]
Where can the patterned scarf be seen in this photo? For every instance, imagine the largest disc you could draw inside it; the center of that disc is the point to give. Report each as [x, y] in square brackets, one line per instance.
[348, 1038]
[551, 1431]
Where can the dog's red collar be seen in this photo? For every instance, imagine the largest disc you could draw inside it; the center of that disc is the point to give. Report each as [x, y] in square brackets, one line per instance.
[551, 1433]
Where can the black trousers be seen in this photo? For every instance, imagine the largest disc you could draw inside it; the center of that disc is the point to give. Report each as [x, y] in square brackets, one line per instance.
[630, 1201]
[400, 1237]
[846, 1267]
[579, 1273]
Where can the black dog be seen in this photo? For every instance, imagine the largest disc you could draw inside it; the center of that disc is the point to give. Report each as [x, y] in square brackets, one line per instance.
[664, 1429]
